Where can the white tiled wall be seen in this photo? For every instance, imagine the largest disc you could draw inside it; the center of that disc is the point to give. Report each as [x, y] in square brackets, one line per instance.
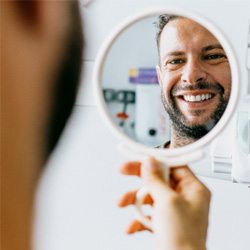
[76, 205]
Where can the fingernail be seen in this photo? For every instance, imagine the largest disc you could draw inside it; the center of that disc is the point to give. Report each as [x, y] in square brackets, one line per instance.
[180, 171]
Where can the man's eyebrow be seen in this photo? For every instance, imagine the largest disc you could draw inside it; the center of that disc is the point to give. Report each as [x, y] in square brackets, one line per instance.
[175, 53]
[211, 47]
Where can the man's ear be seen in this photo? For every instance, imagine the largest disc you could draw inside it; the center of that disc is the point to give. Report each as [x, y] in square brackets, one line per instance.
[44, 17]
[53, 17]
[32, 13]
[159, 74]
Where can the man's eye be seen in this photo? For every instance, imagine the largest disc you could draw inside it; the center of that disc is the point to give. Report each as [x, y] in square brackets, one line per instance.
[175, 61]
[214, 56]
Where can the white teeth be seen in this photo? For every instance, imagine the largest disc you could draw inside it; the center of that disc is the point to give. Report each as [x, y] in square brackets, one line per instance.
[192, 98]
[197, 98]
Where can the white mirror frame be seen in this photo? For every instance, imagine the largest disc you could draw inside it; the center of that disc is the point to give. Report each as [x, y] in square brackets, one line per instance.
[97, 78]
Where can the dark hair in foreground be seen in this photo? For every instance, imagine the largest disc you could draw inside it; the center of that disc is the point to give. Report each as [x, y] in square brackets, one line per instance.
[66, 85]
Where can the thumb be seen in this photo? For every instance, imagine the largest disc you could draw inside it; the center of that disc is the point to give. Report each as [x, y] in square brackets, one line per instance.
[153, 175]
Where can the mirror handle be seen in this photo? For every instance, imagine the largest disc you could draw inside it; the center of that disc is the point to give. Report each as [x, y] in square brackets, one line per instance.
[140, 197]
[140, 215]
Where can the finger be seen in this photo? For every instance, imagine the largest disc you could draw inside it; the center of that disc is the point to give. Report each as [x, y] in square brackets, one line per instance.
[184, 177]
[129, 198]
[182, 172]
[136, 226]
[189, 185]
[131, 168]
[153, 176]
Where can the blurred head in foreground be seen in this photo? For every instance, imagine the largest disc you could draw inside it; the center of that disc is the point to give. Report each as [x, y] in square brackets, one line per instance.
[41, 50]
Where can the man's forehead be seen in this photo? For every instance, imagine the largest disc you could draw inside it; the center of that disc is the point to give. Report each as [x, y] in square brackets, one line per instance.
[182, 33]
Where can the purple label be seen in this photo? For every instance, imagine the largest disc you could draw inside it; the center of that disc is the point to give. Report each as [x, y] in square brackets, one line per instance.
[143, 76]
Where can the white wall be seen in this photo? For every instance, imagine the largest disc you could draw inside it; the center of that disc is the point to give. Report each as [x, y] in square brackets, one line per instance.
[77, 199]
[135, 48]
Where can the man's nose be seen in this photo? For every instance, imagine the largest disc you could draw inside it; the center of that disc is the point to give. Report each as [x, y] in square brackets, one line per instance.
[193, 72]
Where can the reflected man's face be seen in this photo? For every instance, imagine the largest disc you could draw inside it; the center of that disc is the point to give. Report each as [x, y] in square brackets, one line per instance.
[194, 75]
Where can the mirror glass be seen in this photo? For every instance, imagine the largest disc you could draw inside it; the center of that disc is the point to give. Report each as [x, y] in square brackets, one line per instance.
[166, 81]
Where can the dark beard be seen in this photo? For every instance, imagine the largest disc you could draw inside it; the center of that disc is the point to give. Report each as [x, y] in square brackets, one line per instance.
[178, 120]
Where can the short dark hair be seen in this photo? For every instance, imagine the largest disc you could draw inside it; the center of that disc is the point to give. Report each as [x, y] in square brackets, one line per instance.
[162, 21]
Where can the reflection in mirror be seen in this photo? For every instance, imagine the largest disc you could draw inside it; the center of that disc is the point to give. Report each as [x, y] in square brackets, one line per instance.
[166, 81]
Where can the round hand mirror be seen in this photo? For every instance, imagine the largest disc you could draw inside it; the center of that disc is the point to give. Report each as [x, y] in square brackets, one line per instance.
[166, 82]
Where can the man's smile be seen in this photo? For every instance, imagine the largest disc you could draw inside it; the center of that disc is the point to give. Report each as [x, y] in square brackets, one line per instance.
[196, 99]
